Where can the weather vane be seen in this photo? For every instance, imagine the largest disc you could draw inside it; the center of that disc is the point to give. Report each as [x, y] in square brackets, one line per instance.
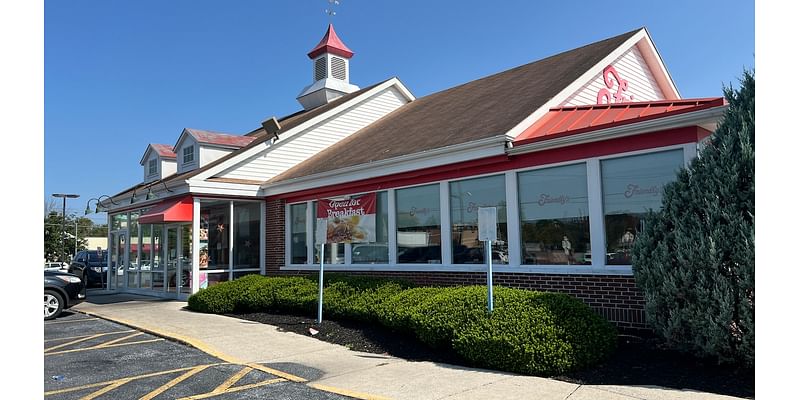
[330, 10]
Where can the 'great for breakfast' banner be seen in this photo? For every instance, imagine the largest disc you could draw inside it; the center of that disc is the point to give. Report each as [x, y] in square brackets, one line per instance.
[348, 221]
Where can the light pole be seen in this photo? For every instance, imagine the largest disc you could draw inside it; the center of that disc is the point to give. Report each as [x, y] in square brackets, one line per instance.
[64, 220]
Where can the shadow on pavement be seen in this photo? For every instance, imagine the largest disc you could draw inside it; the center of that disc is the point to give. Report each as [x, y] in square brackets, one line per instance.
[101, 296]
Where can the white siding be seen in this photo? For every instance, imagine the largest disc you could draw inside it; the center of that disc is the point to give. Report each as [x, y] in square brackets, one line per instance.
[292, 151]
[168, 167]
[632, 67]
[209, 154]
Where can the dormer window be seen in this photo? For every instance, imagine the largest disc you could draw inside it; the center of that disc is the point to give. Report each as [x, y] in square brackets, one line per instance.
[188, 154]
[152, 167]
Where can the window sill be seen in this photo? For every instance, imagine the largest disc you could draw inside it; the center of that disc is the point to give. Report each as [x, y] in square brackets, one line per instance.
[622, 270]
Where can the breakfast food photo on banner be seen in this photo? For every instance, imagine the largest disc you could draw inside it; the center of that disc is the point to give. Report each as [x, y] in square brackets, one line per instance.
[350, 220]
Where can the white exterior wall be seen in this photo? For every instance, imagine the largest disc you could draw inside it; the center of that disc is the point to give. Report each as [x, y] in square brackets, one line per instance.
[632, 67]
[168, 167]
[209, 154]
[292, 151]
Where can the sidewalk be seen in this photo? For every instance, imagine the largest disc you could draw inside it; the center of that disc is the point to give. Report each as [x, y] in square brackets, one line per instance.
[335, 368]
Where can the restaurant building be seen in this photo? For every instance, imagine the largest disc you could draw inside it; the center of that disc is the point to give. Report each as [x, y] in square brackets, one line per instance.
[572, 150]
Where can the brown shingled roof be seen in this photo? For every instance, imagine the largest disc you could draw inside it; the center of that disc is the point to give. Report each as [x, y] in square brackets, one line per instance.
[476, 110]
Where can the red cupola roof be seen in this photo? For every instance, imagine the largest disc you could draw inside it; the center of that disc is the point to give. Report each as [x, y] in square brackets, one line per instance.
[331, 43]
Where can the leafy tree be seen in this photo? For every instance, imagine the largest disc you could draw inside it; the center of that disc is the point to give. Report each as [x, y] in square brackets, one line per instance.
[695, 259]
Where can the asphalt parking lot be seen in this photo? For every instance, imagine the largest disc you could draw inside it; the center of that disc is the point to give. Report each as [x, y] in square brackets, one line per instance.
[91, 358]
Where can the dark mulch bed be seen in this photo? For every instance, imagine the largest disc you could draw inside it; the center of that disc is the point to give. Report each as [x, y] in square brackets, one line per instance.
[639, 360]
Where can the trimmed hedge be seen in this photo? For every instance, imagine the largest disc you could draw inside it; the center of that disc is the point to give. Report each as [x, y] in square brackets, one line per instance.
[529, 332]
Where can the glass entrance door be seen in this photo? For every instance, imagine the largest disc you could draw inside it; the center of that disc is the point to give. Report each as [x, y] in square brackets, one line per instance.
[117, 266]
[179, 259]
[172, 258]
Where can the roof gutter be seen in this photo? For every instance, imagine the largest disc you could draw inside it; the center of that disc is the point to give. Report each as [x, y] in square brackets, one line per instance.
[658, 124]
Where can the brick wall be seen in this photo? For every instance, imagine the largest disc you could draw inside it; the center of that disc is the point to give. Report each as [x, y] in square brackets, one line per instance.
[612, 296]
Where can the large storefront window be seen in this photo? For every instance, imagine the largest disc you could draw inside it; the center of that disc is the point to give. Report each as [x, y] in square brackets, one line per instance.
[214, 247]
[377, 252]
[157, 265]
[465, 198]
[554, 216]
[297, 233]
[334, 252]
[419, 234]
[247, 235]
[146, 256]
[632, 186]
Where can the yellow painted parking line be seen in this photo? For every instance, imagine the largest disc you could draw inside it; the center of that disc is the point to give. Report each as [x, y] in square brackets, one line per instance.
[103, 347]
[71, 342]
[346, 392]
[127, 379]
[232, 390]
[275, 372]
[232, 380]
[173, 382]
[83, 336]
[71, 320]
[112, 342]
[105, 389]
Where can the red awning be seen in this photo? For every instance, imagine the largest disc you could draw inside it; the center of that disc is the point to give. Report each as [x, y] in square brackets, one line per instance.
[172, 210]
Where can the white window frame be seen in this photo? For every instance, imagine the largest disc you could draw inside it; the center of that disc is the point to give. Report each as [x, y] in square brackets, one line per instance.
[596, 225]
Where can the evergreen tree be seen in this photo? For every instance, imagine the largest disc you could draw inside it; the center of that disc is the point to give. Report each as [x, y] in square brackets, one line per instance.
[695, 260]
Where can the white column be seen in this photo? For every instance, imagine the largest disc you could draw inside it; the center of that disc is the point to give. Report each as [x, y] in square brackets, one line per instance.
[447, 230]
[512, 217]
[230, 239]
[262, 245]
[596, 221]
[392, 227]
[195, 245]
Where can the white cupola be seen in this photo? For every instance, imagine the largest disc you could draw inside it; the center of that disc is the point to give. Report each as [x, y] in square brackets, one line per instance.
[330, 62]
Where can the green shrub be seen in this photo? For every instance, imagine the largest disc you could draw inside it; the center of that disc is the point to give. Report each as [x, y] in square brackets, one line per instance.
[435, 320]
[529, 332]
[536, 333]
[396, 311]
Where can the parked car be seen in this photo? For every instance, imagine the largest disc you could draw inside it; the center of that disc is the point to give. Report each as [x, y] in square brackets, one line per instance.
[56, 266]
[91, 266]
[62, 290]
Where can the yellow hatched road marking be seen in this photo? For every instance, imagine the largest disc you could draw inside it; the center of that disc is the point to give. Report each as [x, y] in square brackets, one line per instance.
[232, 380]
[103, 346]
[285, 375]
[83, 336]
[128, 379]
[71, 342]
[105, 389]
[71, 320]
[232, 390]
[173, 382]
[112, 342]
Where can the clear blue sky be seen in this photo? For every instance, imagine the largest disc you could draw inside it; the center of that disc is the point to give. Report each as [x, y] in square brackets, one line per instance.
[122, 74]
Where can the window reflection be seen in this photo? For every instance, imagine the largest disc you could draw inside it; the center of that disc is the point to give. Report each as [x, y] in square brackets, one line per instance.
[466, 197]
[632, 186]
[554, 216]
[419, 235]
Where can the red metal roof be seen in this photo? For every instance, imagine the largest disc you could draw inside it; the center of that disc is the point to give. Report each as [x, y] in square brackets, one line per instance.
[218, 138]
[170, 210]
[163, 150]
[331, 43]
[565, 121]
